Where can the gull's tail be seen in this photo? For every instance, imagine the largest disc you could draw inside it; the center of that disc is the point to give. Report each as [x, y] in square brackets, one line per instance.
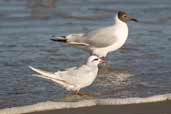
[71, 39]
[60, 39]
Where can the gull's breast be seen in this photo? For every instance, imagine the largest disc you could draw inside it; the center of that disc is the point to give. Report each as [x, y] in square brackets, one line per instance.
[121, 34]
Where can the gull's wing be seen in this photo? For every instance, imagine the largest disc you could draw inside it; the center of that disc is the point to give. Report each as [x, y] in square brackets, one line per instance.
[98, 38]
[71, 39]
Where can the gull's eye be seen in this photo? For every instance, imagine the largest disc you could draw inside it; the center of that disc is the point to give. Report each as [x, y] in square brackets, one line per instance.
[124, 16]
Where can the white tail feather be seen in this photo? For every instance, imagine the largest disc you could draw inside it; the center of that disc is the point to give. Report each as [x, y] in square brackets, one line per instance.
[42, 72]
[52, 76]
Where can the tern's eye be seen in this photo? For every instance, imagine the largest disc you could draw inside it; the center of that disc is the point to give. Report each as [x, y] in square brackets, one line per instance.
[95, 60]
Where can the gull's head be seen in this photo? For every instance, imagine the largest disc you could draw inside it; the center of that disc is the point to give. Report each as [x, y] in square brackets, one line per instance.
[95, 60]
[124, 17]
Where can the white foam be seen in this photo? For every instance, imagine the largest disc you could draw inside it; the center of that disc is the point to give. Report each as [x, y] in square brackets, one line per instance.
[49, 105]
[116, 78]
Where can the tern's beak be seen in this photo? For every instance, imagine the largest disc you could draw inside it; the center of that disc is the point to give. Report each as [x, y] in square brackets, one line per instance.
[102, 60]
[132, 19]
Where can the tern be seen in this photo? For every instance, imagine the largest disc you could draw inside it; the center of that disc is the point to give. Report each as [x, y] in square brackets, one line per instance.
[75, 78]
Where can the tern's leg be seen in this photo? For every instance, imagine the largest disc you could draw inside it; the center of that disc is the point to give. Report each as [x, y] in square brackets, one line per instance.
[77, 92]
[83, 94]
[80, 94]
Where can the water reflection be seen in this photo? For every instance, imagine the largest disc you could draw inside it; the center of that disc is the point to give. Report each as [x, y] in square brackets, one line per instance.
[41, 9]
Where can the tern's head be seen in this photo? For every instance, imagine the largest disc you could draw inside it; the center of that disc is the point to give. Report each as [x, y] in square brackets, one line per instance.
[124, 17]
[94, 60]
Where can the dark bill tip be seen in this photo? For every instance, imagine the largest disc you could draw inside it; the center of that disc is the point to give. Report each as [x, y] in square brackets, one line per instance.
[133, 19]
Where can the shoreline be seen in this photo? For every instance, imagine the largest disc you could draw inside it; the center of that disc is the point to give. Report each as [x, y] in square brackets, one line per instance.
[151, 103]
[163, 107]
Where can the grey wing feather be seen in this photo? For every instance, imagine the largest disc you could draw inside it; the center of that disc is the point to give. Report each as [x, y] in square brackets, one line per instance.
[73, 75]
[100, 38]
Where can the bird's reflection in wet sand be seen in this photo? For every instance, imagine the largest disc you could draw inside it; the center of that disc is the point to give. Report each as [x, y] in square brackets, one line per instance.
[76, 97]
[69, 96]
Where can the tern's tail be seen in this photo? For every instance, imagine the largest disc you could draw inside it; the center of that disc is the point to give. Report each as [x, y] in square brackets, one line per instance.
[45, 74]
[54, 77]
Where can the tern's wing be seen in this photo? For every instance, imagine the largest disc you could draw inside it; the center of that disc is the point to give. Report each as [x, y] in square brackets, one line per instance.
[74, 75]
[72, 68]
[51, 76]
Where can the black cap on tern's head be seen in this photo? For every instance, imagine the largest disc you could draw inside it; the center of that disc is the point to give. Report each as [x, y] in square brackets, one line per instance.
[123, 16]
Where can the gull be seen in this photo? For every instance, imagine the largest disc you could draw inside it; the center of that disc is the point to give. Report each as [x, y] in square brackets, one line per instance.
[101, 41]
[75, 78]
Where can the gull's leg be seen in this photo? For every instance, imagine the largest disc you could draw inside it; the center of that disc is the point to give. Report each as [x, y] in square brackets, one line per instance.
[104, 60]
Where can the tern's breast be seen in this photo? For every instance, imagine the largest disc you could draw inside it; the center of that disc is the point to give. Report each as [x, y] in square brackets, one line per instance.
[87, 78]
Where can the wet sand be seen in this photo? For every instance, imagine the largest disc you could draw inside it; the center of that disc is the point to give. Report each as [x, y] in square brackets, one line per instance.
[144, 108]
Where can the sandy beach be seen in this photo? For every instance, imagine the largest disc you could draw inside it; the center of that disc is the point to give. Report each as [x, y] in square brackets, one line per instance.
[144, 108]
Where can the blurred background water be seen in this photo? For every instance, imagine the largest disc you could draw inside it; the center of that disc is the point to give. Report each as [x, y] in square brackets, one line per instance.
[141, 68]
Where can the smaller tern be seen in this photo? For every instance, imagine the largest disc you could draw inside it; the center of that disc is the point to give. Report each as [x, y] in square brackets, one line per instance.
[104, 40]
[75, 78]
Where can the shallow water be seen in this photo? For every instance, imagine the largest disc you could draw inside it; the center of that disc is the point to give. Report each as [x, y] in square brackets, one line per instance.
[140, 68]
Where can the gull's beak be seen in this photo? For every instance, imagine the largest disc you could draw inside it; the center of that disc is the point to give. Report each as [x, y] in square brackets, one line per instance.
[132, 19]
